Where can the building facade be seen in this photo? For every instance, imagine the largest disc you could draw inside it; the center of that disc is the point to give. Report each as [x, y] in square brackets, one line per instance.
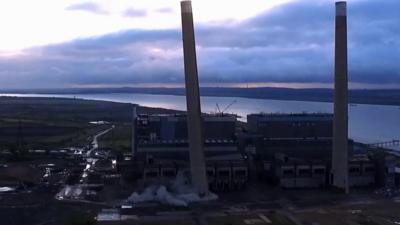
[314, 125]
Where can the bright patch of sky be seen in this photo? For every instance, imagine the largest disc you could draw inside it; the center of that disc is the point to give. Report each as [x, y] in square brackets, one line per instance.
[32, 23]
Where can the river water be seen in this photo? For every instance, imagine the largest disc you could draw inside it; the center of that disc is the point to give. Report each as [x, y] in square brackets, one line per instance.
[367, 123]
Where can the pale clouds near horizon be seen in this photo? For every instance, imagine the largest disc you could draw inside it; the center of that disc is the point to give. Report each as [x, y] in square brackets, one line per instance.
[95, 44]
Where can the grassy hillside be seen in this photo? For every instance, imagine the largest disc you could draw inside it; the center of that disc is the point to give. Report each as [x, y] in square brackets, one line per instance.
[45, 123]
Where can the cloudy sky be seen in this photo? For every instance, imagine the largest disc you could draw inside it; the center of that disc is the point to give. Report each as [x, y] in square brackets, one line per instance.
[103, 43]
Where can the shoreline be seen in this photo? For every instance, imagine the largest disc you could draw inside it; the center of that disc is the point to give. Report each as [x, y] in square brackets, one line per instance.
[356, 96]
[71, 96]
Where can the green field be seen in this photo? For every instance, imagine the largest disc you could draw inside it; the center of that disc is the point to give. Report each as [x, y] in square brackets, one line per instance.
[118, 139]
[46, 123]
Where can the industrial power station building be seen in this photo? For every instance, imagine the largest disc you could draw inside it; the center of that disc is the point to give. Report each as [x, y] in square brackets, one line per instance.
[295, 150]
[166, 136]
[300, 125]
[166, 127]
[290, 150]
[162, 143]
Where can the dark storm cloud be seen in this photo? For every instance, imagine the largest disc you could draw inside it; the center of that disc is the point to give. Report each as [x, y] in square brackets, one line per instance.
[291, 43]
[87, 6]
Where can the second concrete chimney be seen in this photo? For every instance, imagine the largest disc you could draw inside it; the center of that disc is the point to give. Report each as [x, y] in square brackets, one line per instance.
[133, 132]
[340, 177]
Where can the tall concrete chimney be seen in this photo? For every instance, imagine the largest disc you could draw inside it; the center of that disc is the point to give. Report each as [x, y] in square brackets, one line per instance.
[340, 176]
[194, 120]
[133, 138]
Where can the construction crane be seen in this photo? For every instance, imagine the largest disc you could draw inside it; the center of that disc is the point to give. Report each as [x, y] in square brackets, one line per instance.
[228, 106]
[218, 109]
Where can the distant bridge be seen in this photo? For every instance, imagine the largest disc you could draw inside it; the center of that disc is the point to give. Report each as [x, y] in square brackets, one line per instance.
[385, 144]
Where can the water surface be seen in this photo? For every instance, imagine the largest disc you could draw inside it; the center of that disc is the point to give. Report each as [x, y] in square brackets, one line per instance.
[367, 123]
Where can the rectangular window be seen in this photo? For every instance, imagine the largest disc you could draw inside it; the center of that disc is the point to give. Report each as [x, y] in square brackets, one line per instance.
[303, 172]
[354, 170]
[224, 173]
[240, 173]
[210, 173]
[319, 171]
[288, 172]
[151, 174]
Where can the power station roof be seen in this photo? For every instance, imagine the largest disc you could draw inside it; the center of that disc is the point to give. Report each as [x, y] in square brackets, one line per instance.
[291, 117]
